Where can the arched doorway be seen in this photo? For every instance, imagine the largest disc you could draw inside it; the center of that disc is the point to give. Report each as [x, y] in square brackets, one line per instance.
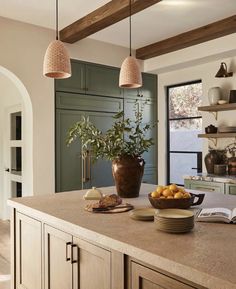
[16, 140]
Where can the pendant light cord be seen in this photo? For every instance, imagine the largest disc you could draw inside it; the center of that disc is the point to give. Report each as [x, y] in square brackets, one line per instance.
[130, 39]
[57, 32]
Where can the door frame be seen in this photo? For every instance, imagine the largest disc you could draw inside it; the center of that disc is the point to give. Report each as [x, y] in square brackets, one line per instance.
[8, 177]
[168, 126]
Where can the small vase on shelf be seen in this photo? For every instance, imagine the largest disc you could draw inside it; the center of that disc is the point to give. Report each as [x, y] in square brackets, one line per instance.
[214, 95]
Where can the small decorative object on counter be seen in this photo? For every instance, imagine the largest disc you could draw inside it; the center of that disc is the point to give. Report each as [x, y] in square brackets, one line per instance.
[220, 169]
[211, 129]
[222, 101]
[211, 159]
[214, 95]
[93, 194]
[232, 96]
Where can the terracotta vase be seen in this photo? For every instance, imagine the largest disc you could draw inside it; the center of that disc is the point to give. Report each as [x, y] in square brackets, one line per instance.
[211, 159]
[127, 173]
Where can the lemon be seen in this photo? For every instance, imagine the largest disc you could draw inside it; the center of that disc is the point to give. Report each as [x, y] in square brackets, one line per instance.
[155, 194]
[167, 193]
[173, 187]
[178, 195]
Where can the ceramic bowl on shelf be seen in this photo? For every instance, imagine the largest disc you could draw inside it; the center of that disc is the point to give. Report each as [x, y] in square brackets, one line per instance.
[194, 200]
[211, 129]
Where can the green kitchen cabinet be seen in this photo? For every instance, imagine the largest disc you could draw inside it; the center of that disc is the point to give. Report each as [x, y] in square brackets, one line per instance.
[230, 189]
[76, 83]
[147, 91]
[103, 80]
[93, 90]
[205, 186]
[92, 79]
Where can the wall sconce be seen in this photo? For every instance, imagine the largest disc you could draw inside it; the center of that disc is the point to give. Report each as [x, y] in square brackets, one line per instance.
[222, 72]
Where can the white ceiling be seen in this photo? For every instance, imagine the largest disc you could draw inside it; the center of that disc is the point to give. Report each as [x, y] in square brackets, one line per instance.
[160, 21]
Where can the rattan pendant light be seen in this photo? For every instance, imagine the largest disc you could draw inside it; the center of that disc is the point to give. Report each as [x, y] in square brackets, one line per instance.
[130, 73]
[57, 60]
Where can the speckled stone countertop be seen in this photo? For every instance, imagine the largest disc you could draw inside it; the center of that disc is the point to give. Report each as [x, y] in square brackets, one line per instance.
[231, 179]
[206, 256]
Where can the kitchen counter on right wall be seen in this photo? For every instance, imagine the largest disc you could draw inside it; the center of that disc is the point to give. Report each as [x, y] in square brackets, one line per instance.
[212, 183]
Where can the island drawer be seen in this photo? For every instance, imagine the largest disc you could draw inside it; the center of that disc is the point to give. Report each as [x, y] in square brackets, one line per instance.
[146, 278]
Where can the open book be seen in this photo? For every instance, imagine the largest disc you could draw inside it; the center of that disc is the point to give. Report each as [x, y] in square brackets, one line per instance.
[217, 215]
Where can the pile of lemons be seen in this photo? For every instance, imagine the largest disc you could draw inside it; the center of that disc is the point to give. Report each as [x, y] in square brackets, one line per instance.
[170, 192]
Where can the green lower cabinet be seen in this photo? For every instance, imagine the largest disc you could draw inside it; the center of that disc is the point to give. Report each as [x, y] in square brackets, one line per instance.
[230, 189]
[68, 159]
[72, 172]
[204, 186]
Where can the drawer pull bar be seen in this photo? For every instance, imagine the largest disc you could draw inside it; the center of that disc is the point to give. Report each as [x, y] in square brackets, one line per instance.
[72, 254]
[205, 189]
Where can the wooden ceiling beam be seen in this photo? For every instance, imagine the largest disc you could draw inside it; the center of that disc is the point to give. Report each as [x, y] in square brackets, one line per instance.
[193, 37]
[112, 12]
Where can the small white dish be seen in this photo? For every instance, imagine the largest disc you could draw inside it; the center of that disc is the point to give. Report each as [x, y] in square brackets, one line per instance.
[221, 101]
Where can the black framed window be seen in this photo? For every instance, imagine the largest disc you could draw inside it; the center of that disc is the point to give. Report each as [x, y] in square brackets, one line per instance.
[184, 123]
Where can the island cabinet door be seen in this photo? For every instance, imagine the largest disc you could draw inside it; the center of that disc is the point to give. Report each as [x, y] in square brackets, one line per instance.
[91, 267]
[146, 278]
[57, 258]
[28, 250]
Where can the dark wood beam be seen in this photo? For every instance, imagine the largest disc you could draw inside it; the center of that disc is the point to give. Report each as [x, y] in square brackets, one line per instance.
[112, 12]
[193, 37]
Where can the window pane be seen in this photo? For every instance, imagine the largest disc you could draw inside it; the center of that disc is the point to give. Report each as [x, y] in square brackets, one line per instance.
[181, 164]
[184, 100]
[183, 135]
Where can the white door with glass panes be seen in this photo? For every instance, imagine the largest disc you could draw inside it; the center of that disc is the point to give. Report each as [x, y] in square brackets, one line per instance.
[12, 155]
[184, 124]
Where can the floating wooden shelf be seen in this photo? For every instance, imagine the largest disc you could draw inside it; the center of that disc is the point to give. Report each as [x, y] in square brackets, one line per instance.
[218, 107]
[217, 135]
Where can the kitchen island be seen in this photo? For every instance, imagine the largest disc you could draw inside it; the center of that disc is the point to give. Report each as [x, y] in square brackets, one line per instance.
[56, 244]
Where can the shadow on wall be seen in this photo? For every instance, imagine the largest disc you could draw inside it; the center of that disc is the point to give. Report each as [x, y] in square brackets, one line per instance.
[13, 93]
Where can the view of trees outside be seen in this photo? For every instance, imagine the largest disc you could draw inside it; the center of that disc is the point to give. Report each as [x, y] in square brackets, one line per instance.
[184, 126]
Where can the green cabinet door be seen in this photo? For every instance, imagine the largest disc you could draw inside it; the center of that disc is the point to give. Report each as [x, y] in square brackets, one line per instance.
[147, 91]
[149, 117]
[75, 83]
[230, 189]
[68, 159]
[101, 171]
[102, 80]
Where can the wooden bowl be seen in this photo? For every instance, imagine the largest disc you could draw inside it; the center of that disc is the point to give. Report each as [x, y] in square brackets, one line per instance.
[176, 203]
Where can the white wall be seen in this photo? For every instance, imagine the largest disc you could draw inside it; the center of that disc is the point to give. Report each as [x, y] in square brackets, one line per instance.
[22, 51]
[206, 72]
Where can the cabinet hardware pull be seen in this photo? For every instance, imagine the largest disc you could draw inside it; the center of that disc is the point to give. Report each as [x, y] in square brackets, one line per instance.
[205, 189]
[89, 166]
[67, 244]
[72, 254]
[84, 169]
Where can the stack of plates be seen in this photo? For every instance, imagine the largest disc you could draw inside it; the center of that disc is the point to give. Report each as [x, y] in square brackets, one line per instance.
[174, 220]
[227, 129]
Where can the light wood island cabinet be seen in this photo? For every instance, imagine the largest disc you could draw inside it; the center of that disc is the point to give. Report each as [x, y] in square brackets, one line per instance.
[56, 244]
